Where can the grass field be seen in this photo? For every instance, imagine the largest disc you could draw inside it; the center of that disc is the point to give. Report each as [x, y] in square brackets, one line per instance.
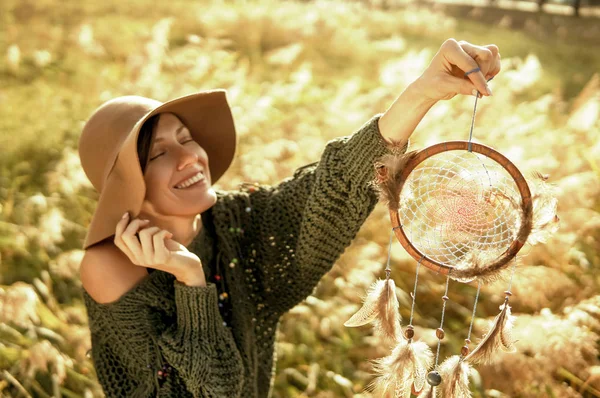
[299, 74]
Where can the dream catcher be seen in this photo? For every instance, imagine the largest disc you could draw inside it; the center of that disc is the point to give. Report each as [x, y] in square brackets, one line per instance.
[462, 210]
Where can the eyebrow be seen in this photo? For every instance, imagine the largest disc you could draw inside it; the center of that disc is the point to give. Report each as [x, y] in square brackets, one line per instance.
[179, 130]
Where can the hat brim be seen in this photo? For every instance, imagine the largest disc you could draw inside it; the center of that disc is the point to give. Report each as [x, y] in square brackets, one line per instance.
[207, 116]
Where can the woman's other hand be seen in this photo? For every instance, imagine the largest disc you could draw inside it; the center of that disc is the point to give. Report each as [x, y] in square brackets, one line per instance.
[156, 249]
[444, 78]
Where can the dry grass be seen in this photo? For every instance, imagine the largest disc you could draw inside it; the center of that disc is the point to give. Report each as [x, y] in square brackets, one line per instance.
[297, 75]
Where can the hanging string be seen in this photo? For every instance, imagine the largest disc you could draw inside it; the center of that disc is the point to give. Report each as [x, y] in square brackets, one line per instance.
[512, 273]
[468, 339]
[414, 294]
[388, 270]
[474, 108]
[445, 298]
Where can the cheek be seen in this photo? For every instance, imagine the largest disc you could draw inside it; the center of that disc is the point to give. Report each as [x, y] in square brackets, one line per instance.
[156, 183]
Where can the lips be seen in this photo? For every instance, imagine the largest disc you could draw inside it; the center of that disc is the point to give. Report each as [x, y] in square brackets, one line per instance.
[188, 177]
[197, 183]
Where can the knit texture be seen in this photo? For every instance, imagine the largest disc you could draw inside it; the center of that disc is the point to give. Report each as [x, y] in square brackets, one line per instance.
[264, 250]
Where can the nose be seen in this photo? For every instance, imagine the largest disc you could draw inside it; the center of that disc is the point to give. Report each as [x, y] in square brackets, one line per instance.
[185, 157]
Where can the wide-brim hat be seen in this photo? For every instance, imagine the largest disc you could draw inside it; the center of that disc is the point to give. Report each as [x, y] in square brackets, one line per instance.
[109, 157]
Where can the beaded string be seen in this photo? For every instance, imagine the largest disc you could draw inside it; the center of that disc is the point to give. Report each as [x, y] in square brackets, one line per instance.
[464, 351]
[410, 330]
[434, 378]
[507, 292]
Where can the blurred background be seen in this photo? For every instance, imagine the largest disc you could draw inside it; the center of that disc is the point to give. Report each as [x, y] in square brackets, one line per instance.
[299, 73]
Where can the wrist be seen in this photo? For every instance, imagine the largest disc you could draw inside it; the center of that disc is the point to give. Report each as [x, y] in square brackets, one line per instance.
[193, 279]
[417, 92]
[400, 120]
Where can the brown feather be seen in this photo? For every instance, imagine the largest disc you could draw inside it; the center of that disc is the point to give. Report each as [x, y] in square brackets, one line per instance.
[499, 337]
[406, 366]
[455, 378]
[545, 220]
[380, 307]
[428, 391]
[368, 311]
[422, 359]
[389, 173]
[387, 323]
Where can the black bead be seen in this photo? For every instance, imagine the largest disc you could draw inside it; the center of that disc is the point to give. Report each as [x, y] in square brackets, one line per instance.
[434, 378]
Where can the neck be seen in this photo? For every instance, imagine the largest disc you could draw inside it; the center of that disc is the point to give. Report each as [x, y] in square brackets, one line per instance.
[183, 228]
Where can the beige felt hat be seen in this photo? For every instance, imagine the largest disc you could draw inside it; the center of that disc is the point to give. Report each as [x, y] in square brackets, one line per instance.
[108, 149]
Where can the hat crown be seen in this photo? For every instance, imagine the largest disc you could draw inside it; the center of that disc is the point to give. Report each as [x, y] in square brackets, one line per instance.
[106, 130]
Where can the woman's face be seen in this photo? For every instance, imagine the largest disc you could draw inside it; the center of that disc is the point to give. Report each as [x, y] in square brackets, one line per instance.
[173, 158]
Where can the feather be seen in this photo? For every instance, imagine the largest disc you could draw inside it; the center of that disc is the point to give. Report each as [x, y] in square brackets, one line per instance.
[423, 359]
[428, 392]
[499, 337]
[389, 173]
[455, 378]
[381, 307]
[404, 368]
[545, 219]
[478, 264]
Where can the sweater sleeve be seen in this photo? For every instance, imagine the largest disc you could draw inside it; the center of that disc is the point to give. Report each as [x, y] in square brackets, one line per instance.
[200, 347]
[300, 227]
[196, 344]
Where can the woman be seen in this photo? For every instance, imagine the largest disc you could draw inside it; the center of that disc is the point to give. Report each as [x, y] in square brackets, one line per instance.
[226, 265]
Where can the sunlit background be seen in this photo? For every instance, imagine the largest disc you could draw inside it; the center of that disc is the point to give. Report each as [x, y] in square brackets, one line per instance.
[299, 73]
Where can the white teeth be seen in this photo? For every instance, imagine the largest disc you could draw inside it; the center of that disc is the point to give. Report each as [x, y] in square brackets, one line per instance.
[190, 181]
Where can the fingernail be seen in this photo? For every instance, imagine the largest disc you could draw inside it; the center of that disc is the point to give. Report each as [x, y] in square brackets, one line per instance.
[125, 215]
[489, 90]
[475, 92]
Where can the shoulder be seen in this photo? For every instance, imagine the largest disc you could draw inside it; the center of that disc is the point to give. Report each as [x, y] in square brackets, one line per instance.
[106, 273]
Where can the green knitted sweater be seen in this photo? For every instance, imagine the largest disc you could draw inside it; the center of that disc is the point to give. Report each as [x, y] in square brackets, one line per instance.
[263, 249]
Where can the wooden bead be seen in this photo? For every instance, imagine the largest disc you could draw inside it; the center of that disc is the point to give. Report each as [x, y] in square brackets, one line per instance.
[464, 351]
[409, 332]
[439, 333]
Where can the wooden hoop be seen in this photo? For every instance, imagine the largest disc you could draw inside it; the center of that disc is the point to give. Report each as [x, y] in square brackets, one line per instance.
[518, 178]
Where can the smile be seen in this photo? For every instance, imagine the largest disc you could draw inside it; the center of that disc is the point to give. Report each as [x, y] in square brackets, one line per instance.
[198, 178]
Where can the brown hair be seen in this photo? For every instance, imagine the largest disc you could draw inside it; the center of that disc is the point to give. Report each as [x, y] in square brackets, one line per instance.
[145, 139]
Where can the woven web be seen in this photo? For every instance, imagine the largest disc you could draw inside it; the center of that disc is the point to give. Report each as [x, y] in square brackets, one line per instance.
[458, 202]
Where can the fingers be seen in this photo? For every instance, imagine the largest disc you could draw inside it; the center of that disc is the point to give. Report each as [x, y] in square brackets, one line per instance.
[483, 56]
[147, 244]
[468, 57]
[149, 249]
[495, 69]
[463, 86]
[162, 254]
[126, 240]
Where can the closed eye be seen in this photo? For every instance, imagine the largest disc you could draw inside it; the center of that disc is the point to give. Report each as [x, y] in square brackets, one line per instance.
[162, 153]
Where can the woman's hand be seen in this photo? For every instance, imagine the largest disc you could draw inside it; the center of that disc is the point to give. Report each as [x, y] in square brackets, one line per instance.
[442, 80]
[445, 75]
[155, 249]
